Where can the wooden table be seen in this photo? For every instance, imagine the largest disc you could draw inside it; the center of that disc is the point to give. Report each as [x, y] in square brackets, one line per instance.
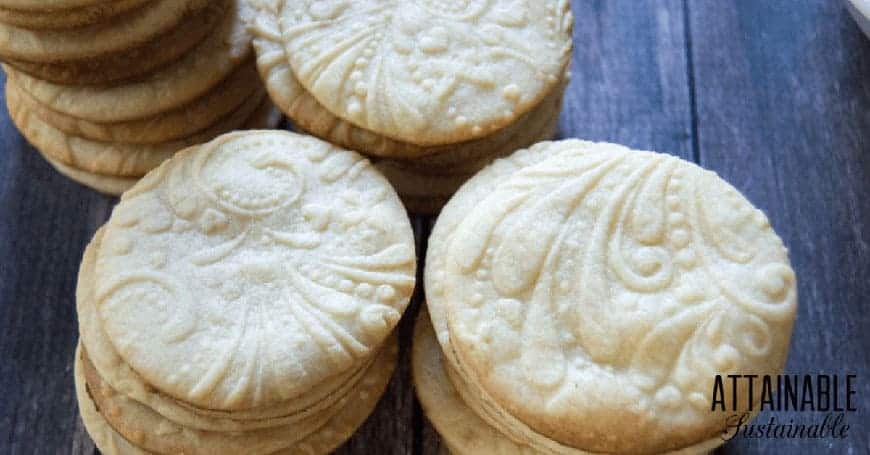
[774, 95]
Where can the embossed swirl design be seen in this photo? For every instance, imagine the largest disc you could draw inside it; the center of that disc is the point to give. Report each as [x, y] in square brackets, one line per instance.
[288, 254]
[666, 255]
[427, 72]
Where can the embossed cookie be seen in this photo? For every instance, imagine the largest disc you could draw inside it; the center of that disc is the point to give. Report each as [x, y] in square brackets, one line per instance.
[308, 114]
[585, 295]
[426, 72]
[176, 85]
[104, 365]
[251, 269]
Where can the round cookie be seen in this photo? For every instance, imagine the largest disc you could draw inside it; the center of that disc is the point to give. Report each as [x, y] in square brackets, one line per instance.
[426, 73]
[226, 97]
[460, 428]
[118, 159]
[149, 430]
[688, 260]
[200, 70]
[134, 62]
[127, 31]
[67, 18]
[105, 184]
[104, 364]
[305, 242]
[107, 440]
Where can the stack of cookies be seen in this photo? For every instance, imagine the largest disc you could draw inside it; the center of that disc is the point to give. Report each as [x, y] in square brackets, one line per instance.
[241, 299]
[583, 297]
[431, 91]
[107, 90]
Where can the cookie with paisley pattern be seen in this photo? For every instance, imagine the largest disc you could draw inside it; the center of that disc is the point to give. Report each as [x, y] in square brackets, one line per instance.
[250, 269]
[419, 72]
[587, 294]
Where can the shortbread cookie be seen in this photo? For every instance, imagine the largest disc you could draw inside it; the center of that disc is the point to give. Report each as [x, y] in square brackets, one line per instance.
[199, 71]
[67, 18]
[309, 115]
[105, 362]
[305, 243]
[426, 73]
[226, 97]
[119, 159]
[106, 184]
[127, 31]
[567, 244]
[120, 420]
[107, 440]
[131, 63]
[460, 428]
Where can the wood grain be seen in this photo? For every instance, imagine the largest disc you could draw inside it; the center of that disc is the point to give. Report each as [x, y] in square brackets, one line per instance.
[783, 113]
[772, 94]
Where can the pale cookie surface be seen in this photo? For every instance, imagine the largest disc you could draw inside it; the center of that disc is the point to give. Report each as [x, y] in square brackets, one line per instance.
[102, 360]
[460, 428]
[586, 241]
[250, 270]
[201, 69]
[424, 72]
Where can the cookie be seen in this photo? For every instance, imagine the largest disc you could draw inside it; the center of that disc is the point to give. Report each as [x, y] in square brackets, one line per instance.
[48, 5]
[131, 63]
[115, 420]
[568, 243]
[104, 363]
[68, 18]
[274, 217]
[107, 440]
[124, 32]
[119, 159]
[424, 73]
[176, 85]
[106, 184]
[308, 115]
[459, 427]
[240, 86]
